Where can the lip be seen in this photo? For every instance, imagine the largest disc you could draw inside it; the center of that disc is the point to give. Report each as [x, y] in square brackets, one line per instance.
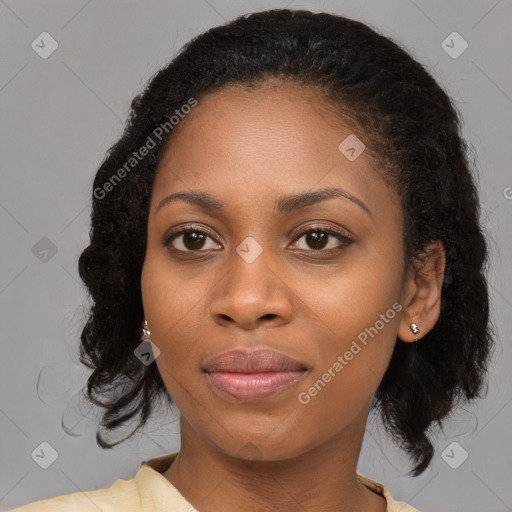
[252, 375]
[253, 361]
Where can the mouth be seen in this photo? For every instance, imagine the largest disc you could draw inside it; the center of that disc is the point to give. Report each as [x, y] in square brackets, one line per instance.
[252, 387]
[251, 376]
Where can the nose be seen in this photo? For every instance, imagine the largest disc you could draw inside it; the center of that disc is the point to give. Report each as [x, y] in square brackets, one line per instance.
[251, 294]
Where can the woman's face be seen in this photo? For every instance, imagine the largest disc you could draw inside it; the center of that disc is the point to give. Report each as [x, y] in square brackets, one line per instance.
[247, 277]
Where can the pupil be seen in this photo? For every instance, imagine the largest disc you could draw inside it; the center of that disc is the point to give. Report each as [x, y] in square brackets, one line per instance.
[316, 239]
[193, 240]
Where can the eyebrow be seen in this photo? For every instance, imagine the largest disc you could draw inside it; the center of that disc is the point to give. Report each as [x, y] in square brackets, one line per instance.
[284, 204]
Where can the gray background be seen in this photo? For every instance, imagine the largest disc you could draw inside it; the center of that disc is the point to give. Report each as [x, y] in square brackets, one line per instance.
[58, 117]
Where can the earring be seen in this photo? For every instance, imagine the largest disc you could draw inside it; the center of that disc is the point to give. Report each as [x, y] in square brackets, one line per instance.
[145, 332]
[415, 329]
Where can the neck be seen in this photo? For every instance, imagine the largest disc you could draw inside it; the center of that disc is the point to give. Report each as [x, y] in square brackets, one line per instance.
[323, 478]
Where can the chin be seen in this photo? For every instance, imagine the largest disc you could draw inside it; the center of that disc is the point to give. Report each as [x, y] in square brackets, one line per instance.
[253, 448]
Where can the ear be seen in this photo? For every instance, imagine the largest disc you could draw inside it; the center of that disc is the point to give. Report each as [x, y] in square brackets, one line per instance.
[421, 296]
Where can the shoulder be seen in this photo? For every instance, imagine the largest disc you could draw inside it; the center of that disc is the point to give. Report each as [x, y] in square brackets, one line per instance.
[147, 491]
[393, 505]
[122, 493]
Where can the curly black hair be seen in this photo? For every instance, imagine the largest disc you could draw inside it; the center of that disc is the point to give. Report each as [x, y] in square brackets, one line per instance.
[412, 128]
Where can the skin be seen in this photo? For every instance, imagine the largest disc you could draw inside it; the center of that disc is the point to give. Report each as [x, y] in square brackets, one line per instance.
[247, 148]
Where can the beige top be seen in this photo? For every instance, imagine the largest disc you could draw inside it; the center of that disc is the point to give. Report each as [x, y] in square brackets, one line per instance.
[150, 491]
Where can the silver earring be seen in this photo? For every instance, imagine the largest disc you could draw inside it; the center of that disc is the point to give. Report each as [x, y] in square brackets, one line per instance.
[414, 328]
[146, 334]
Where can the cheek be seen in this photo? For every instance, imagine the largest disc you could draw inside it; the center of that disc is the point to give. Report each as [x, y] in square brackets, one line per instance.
[352, 297]
[174, 305]
[175, 301]
[169, 297]
[358, 315]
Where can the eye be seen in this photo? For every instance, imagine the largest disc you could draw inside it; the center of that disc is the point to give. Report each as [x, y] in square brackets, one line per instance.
[189, 239]
[317, 239]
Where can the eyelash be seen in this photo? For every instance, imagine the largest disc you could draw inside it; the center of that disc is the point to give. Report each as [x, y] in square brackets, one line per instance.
[344, 240]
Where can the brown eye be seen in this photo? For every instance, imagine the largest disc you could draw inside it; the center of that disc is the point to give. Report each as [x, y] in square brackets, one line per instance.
[317, 239]
[193, 240]
[188, 240]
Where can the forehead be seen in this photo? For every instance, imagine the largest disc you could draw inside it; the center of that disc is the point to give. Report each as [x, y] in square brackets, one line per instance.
[270, 139]
[286, 117]
[275, 106]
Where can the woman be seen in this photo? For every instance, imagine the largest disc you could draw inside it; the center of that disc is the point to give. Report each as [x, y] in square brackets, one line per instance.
[285, 237]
